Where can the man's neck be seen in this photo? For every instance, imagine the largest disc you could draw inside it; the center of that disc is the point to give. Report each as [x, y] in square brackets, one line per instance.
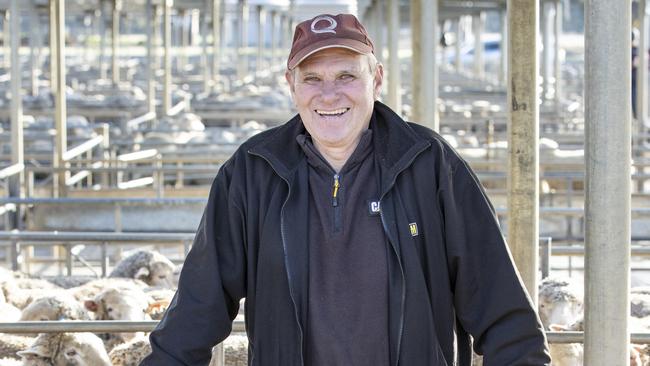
[336, 156]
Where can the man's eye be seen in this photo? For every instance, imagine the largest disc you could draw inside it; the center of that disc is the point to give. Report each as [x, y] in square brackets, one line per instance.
[311, 79]
[346, 77]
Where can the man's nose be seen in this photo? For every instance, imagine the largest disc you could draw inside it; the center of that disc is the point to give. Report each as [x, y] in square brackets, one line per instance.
[329, 91]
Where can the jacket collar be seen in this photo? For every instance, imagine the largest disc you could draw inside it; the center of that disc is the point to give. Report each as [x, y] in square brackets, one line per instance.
[395, 144]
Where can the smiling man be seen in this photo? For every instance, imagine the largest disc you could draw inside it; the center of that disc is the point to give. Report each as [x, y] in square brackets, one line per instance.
[356, 238]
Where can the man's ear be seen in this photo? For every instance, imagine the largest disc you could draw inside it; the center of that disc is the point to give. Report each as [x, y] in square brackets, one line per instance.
[290, 80]
[379, 80]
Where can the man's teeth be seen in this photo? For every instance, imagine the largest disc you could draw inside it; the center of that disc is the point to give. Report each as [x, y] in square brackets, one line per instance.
[332, 113]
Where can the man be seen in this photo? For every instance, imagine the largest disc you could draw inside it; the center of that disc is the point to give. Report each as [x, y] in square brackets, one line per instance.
[355, 237]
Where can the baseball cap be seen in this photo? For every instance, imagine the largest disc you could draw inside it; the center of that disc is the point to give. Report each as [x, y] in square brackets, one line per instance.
[328, 31]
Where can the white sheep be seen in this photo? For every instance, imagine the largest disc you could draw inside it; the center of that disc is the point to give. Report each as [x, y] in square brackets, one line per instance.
[66, 349]
[10, 344]
[93, 288]
[61, 306]
[149, 266]
[20, 292]
[119, 304]
[130, 353]
[560, 302]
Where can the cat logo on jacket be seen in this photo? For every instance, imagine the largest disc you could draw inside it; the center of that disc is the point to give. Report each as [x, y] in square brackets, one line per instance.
[374, 208]
[414, 229]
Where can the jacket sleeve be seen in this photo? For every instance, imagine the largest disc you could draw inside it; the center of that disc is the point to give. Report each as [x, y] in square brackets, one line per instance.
[491, 301]
[211, 284]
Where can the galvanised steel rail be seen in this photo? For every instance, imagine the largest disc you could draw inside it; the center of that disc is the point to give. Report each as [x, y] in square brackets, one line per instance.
[95, 326]
[15, 240]
[238, 326]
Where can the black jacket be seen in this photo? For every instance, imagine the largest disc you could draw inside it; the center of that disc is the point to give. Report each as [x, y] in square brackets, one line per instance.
[450, 272]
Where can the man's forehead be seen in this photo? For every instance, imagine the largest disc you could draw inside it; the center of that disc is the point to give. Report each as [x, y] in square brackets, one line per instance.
[348, 59]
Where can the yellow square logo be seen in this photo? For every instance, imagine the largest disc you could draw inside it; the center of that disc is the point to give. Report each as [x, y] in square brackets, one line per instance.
[414, 229]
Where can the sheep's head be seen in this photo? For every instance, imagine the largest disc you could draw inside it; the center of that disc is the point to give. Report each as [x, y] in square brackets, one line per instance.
[159, 274]
[66, 349]
[118, 304]
[54, 308]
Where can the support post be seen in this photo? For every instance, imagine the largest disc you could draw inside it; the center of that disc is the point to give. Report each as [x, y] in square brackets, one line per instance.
[607, 183]
[57, 48]
[393, 77]
[523, 140]
[17, 181]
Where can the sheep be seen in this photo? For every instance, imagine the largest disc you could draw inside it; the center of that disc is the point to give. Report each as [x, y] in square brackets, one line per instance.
[69, 281]
[639, 304]
[66, 349]
[149, 266]
[10, 362]
[119, 304]
[560, 302]
[58, 307]
[130, 353]
[20, 292]
[93, 288]
[10, 344]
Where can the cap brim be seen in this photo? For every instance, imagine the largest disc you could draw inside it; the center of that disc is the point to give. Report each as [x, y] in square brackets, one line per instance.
[349, 44]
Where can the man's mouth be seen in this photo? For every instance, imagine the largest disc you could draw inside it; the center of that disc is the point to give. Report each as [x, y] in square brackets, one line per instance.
[332, 113]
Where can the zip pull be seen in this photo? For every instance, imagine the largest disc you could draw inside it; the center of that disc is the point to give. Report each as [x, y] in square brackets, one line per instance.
[335, 200]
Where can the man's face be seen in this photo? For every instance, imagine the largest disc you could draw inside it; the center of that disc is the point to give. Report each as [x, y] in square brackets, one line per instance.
[334, 92]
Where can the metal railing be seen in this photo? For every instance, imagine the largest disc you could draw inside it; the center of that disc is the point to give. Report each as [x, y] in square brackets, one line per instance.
[16, 240]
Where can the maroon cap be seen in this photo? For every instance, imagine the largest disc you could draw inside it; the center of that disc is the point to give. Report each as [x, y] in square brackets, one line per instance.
[328, 31]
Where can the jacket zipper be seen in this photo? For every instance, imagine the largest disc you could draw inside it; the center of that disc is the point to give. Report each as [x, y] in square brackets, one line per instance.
[286, 259]
[399, 260]
[335, 203]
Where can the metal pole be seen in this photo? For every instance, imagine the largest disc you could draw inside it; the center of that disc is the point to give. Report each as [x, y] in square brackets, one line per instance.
[261, 25]
[17, 181]
[457, 61]
[115, 35]
[57, 9]
[6, 34]
[478, 24]
[205, 63]
[523, 136]
[503, 64]
[217, 30]
[424, 21]
[416, 60]
[33, 48]
[607, 183]
[185, 40]
[167, 97]
[546, 49]
[242, 45]
[53, 57]
[380, 37]
[556, 57]
[151, 85]
[101, 31]
[274, 36]
[393, 75]
[642, 66]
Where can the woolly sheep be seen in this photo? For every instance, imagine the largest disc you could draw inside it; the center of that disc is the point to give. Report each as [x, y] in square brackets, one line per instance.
[66, 349]
[20, 292]
[119, 304]
[560, 302]
[10, 344]
[58, 307]
[149, 266]
[130, 353]
[93, 288]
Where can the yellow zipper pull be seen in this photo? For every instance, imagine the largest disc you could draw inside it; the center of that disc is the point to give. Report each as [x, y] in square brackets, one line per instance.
[336, 190]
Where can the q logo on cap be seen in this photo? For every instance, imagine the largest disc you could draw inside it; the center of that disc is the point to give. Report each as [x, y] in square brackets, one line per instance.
[329, 29]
